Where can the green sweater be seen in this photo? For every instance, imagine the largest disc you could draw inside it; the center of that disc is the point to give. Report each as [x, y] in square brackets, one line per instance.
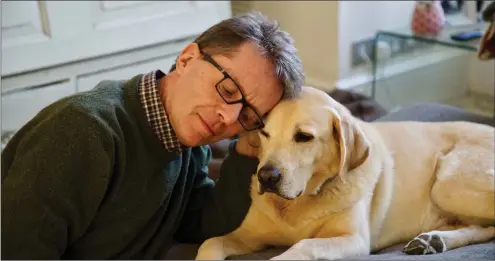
[88, 179]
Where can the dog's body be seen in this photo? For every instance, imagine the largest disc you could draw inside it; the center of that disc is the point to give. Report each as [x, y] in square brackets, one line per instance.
[342, 187]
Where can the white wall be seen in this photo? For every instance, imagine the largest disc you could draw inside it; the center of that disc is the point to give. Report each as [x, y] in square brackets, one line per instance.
[481, 76]
[324, 30]
[314, 27]
[359, 20]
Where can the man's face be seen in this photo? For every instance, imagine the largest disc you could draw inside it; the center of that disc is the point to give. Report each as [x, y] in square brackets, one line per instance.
[197, 111]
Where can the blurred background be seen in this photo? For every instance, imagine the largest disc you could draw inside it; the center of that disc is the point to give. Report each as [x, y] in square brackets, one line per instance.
[51, 49]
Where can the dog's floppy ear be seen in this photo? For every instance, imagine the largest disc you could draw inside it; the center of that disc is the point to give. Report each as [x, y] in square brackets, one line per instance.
[354, 146]
[250, 142]
[254, 138]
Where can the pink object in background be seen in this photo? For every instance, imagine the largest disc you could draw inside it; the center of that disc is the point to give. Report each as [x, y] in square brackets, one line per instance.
[428, 18]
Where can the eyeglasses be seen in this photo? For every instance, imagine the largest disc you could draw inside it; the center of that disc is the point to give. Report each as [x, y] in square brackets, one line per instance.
[230, 92]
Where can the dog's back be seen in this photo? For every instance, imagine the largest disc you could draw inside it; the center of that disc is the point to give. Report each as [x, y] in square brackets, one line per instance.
[433, 161]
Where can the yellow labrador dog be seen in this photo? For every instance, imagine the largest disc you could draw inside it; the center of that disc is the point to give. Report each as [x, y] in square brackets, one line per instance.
[330, 186]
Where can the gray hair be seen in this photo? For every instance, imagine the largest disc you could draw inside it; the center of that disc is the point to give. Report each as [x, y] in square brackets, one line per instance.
[225, 37]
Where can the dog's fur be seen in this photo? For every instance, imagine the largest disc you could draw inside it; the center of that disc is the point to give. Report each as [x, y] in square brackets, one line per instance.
[358, 187]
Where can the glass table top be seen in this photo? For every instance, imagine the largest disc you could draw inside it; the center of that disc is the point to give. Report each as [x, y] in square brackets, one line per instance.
[444, 38]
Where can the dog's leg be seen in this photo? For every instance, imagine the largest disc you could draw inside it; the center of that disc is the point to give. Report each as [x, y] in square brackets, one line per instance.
[466, 192]
[326, 248]
[465, 185]
[345, 234]
[243, 240]
[219, 248]
[448, 238]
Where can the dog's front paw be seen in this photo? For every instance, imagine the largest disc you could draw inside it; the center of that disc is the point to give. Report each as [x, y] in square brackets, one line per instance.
[425, 244]
[292, 254]
[208, 255]
[210, 250]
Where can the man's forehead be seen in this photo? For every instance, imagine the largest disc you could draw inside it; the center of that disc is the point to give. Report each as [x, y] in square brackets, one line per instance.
[270, 102]
[258, 76]
[255, 75]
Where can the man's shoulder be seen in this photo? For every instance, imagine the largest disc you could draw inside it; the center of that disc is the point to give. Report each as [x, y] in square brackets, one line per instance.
[95, 108]
[85, 103]
[68, 114]
[105, 93]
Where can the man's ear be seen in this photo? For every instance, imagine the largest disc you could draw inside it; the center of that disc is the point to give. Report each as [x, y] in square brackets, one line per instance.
[354, 146]
[189, 53]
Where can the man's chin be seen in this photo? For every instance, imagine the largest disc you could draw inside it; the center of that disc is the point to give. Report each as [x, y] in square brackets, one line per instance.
[198, 140]
[193, 136]
[190, 140]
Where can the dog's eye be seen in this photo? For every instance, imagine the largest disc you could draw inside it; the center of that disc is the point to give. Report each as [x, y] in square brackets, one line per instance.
[303, 137]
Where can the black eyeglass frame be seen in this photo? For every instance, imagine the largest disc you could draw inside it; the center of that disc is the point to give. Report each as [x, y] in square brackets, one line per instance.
[242, 100]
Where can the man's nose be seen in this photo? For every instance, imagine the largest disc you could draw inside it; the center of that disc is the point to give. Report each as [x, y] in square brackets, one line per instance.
[229, 113]
[269, 176]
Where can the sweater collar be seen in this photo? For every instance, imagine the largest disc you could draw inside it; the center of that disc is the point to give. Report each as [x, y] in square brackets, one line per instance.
[155, 112]
[132, 98]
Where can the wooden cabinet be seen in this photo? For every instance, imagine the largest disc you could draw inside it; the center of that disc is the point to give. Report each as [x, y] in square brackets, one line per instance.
[20, 106]
[38, 34]
[87, 82]
[79, 43]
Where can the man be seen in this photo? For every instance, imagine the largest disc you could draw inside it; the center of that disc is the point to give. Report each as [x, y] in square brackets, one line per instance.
[121, 171]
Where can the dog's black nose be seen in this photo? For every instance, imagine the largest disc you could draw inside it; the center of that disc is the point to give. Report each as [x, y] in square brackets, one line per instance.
[269, 176]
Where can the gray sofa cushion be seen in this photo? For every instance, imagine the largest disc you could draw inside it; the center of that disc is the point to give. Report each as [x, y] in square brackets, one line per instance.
[418, 112]
[432, 112]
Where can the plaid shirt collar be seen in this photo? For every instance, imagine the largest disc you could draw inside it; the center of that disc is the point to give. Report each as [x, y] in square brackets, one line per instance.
[155, 111]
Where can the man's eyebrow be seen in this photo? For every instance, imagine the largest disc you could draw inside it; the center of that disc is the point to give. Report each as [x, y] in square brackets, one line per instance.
[236, 80]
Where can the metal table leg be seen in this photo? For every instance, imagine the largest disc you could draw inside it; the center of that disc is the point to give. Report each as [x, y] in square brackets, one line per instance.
[374, 62]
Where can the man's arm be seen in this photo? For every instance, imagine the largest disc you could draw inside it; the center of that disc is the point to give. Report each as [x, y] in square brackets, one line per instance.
[218, 208]
[54, 177]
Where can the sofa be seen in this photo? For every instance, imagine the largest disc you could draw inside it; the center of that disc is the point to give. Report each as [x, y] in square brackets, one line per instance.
[429, 112]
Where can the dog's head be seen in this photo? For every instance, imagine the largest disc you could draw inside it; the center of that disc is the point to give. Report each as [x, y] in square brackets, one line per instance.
[306, 142]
